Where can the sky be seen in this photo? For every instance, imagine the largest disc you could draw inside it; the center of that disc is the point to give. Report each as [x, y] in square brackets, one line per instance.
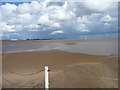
[45, 19]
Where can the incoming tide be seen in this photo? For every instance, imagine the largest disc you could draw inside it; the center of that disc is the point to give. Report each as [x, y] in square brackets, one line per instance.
[92, 46]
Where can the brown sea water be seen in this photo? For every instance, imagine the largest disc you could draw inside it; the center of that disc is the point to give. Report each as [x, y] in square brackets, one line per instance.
[88, 46]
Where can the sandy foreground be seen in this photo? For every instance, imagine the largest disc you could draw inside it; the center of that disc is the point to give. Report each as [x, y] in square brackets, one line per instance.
[68, 70]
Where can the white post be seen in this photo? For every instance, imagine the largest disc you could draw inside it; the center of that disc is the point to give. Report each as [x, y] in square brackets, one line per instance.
[46, 78]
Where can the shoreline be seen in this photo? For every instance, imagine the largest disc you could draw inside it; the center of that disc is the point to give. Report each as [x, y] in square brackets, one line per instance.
[34, 51]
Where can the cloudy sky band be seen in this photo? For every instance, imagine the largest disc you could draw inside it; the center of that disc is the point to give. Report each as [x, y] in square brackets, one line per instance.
[61, 0]
[37, 19]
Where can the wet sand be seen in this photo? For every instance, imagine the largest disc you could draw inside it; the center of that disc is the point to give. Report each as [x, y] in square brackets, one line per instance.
[72, 63]
[68, 70]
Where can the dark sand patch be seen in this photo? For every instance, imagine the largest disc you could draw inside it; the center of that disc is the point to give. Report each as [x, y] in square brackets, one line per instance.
[70, 43]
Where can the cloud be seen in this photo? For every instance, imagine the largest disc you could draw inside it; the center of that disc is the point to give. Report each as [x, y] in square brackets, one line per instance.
[9, 7]
[44, 19]
[32, 26]
[59, 18]
[7, 28]
[100, 5]
[108, 18]
[57, 32]
[57, 25]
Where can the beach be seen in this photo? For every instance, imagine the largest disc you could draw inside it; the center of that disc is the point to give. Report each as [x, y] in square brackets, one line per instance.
[70, 65]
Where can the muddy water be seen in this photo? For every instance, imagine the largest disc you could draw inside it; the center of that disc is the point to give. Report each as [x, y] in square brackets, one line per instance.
[93, 46]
